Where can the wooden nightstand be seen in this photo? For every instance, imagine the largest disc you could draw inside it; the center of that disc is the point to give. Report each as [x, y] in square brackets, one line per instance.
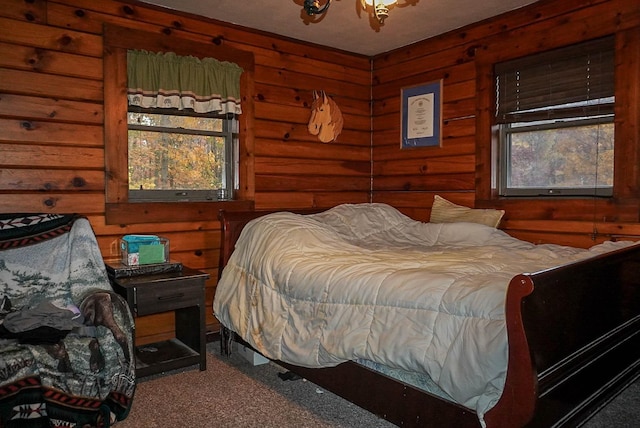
[181, 292]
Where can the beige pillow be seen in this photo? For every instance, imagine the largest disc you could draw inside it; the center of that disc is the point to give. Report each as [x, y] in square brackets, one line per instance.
[444, 211]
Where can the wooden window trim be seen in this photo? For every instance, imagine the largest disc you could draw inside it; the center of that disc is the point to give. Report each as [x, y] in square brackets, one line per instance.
[625, 204]
[118, 209]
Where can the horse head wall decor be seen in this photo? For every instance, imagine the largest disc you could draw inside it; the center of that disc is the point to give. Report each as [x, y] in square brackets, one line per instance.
[326, 118]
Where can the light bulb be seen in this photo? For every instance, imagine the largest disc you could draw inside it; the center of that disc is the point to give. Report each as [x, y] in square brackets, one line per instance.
[381, 2]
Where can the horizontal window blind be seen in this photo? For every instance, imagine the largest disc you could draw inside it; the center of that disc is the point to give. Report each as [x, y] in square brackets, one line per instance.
[574, 81]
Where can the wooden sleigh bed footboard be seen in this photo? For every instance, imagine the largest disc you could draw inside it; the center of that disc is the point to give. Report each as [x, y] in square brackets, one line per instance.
[574, 339]
[574, 343]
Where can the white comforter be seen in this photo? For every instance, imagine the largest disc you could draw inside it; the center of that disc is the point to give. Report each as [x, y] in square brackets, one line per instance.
[365, 281]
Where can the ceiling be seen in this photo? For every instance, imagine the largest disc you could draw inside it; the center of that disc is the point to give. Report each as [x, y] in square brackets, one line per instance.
[345, 25]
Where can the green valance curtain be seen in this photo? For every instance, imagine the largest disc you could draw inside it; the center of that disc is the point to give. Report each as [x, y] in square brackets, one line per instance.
[167, 80]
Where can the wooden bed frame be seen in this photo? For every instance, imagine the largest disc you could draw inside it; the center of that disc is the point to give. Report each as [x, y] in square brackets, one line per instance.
[574, 344]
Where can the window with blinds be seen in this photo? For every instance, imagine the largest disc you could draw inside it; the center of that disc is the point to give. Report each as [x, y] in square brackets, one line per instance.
[555, 113]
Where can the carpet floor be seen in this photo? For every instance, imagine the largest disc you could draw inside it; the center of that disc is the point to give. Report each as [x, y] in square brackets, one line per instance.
[232, 393]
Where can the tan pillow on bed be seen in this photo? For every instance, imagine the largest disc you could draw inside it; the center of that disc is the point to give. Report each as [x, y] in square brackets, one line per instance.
[444, 211]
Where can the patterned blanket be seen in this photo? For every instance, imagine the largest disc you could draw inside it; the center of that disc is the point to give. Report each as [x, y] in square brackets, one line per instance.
[87, 378]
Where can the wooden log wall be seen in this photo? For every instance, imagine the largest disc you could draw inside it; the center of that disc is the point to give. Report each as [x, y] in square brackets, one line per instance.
[52, 122]
[459, 170]
[52, 117]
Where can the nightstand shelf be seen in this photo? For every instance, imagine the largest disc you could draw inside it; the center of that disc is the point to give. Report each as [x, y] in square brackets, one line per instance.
[181, 292]
[168, 354]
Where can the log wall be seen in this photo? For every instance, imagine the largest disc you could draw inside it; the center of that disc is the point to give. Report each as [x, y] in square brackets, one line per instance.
[52, 122]
[459, 170]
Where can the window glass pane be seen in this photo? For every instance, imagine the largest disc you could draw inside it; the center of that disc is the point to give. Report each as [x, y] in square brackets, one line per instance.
[176, 121]
[579, 157]
[167, 161]
[176, 156]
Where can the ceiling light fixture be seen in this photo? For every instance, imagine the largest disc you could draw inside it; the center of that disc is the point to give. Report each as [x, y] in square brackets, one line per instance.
[312, 7]
[379, 8]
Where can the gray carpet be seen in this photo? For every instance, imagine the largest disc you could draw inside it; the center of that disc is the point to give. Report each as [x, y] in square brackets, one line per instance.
[622, 412]
[233, 393]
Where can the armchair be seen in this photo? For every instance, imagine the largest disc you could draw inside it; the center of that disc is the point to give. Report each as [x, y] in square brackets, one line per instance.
[80, 369]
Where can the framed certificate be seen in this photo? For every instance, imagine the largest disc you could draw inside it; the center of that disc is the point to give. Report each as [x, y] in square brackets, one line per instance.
[421, 115]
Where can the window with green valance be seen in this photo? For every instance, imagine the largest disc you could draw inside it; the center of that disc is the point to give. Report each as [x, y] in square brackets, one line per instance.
[167, 80]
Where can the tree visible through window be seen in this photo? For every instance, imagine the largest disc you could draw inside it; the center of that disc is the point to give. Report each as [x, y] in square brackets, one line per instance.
[176, 155]
[554, 161]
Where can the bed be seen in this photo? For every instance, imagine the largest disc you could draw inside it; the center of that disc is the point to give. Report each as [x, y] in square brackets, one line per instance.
[507, 333]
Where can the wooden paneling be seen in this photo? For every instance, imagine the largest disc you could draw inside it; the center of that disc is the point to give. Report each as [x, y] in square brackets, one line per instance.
[49, 85]
[461, 169]
[23, 33]
[24, 107]
[53, 133]
[52, 148]
[33, 157]
[53, 122]
[37, 59]
[34, 10]
[51, 179]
